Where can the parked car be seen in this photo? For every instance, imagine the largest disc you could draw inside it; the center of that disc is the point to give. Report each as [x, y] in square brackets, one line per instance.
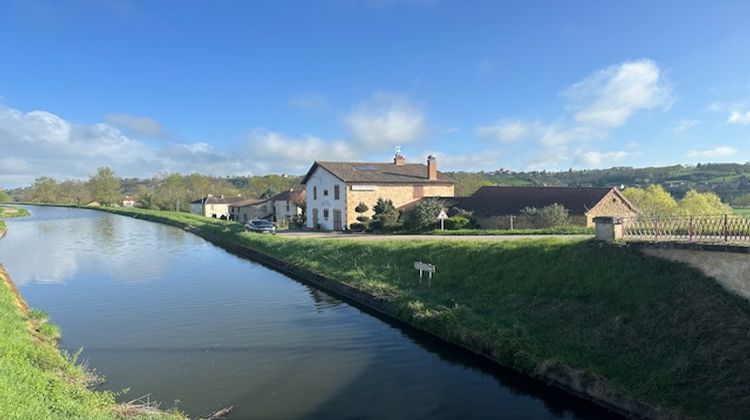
[260, 226]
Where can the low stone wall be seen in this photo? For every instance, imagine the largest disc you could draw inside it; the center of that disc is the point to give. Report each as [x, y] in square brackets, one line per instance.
[730, 266]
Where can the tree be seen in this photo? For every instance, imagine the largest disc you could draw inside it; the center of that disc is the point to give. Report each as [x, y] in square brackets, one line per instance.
[44, 190]
[702, 204]
[172, 192]
[4, 197]
[654, 201]
[386, 215]
[362, 220]
[424, 215]
[105, 187]
[548, 216]
[741, 201]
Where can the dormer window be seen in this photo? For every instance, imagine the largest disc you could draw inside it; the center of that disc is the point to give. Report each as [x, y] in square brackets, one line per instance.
[325, 193]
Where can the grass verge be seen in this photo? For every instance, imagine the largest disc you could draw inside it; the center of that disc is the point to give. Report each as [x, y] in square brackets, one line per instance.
[561, 230]
[10, 211]
[651, 329]
[39, 381]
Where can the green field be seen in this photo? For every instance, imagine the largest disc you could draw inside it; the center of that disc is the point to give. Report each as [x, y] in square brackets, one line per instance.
[655, 330]
[742, 211]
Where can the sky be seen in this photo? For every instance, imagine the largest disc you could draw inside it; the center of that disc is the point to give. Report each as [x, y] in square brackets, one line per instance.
[258, 87]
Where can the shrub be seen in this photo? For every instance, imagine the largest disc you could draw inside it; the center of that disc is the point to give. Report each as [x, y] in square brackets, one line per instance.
[548, 216]
[456, 222]
[424, 215]
[358, 227]
[386, 216]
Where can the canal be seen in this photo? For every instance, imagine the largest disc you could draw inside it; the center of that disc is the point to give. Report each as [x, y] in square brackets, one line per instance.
[160, 311]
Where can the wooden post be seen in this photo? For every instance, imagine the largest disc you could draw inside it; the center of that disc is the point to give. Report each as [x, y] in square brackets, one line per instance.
[511, 222]
[690, 229]
[726, 228]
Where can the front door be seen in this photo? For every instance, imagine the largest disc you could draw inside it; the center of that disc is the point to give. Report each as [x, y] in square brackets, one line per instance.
[337, 220]
[315, 219]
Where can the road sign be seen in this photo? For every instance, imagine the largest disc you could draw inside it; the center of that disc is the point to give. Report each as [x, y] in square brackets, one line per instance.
[424, 267]
[442, 216]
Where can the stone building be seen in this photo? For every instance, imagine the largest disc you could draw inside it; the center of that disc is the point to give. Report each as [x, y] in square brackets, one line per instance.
[493, 207]
[334, 189]
[288, 204]
[213, 206]
[251, 209]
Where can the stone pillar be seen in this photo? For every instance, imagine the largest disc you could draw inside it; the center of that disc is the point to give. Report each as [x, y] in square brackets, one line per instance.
[608, 229]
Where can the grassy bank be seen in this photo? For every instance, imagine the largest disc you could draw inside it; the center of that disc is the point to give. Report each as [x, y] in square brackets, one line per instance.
[652, 329]
[39, 381]
[10, 211]
[561, 230]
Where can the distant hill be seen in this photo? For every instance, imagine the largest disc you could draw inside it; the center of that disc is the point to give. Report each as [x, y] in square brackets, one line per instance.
[728, 180]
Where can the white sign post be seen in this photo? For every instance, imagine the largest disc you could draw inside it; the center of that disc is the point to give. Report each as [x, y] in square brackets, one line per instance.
[424, 267]
[442, 216]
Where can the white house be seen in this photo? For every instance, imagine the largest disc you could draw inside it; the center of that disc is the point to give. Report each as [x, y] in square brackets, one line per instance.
[211, 206]
[334, 189]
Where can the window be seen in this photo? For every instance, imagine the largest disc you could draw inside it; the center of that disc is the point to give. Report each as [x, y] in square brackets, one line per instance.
[315, 193]
[287, 206]
[336, 192]
[325, 214]
[325, 193]
[418, 191]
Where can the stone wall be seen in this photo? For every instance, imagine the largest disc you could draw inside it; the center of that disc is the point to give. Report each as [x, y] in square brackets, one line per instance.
[400, 194]
[731, 270]
[610, 205]
[519, 221]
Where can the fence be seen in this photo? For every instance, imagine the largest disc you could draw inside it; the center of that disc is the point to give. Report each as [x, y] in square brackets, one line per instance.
[691, 229]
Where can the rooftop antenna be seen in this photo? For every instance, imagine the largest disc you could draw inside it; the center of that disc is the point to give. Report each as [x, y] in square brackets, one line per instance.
[398, 149]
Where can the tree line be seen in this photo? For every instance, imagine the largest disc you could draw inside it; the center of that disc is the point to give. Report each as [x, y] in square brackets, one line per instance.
[164, 192]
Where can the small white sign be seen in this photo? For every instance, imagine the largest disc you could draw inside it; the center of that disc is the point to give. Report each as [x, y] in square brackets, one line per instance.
[424, 268]
[443, 215]
[418, 265]
[364, 187]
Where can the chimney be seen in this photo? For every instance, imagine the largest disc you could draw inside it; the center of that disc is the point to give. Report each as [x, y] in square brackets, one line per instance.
[431, 168]
[399, 159]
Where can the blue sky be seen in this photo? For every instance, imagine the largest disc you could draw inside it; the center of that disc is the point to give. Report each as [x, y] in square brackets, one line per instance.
[266, 87]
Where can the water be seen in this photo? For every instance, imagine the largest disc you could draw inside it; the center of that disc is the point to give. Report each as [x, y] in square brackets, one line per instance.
[161, 311]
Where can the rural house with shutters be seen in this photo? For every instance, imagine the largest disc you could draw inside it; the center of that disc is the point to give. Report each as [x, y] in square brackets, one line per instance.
[334, 189]
[493, 207]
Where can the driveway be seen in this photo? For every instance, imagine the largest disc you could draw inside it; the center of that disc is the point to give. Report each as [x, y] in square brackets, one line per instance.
[372, 237]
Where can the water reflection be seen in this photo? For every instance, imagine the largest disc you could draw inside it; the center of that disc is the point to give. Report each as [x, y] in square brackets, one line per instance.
[163, 312]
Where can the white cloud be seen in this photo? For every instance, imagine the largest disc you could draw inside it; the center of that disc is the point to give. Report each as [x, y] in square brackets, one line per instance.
[505, 130]
[137, 125]
[41, 143]
[609, 97]
[277, 152]
[308, 101]
[599, 159]
[386, 120]
[739, 117]
[683, 126]
[716, 152]
[485, 160]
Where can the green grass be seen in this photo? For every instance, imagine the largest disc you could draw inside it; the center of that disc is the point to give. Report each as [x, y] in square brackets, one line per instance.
[36, 380]
[39, 381]
[742, 211]
[10, 211]
[656, 330]
[561, 230]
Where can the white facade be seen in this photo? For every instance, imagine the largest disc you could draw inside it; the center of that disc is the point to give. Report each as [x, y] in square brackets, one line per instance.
[323, 207]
